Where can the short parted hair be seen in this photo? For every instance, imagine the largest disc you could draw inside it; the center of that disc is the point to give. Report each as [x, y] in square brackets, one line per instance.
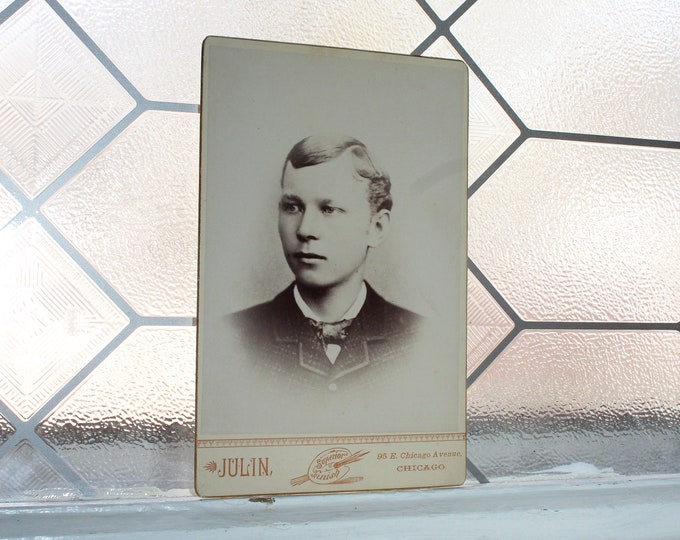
[317, 149]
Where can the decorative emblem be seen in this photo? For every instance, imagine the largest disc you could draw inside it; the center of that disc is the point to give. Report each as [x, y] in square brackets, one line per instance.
[331, 467]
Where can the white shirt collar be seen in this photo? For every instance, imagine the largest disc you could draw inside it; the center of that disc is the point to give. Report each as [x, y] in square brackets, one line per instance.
[351, 313]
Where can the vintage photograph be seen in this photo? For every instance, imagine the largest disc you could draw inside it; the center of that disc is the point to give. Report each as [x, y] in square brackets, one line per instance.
[332, 270]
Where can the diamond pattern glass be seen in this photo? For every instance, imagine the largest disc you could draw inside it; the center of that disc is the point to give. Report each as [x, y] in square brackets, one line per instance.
[490, 129]
[137, 208]
[556, 399]
[170, 34]
[607, 67]
[575, 231]
[56, 99]
[487, 323]
[135, 414]
[26, 475]
[53, 318]
[9, 207]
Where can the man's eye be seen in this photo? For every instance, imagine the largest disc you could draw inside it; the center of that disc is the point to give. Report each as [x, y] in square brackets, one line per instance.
[290, 208]
[330, 210]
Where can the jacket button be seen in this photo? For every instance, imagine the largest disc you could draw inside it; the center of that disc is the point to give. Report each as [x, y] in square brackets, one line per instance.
[332, 387]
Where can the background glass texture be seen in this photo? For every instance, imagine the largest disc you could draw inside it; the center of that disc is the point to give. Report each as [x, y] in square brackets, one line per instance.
[573, 304]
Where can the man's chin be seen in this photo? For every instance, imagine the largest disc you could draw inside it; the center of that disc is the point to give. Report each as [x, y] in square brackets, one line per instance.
[313, 280]
[312, 284]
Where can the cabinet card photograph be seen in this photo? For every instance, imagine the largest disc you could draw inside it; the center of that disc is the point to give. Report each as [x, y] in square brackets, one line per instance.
[332, 270]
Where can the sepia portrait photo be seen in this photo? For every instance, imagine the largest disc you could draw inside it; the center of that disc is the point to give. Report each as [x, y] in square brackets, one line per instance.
[332, 270]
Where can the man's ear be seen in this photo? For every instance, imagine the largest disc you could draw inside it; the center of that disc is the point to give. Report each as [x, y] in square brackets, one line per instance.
[379, 228]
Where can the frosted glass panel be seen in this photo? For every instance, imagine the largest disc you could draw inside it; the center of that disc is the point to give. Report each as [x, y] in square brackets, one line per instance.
[606, 67]
[490, 129]
[26, 475]
[170, 33]
[9, 207]
[576, 231]
[487, 323]
[131, 423]
[56, 99]
[53, 319]
[610, 400]
[137, 213]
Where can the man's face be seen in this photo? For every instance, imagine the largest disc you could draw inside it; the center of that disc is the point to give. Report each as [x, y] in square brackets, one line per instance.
[325, 223]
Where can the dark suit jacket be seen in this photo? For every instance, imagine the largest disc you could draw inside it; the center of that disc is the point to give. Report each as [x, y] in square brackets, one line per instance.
[268, 373]
[278, 339]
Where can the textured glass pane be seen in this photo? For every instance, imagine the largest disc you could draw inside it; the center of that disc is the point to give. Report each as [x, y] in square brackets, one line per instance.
[577, 231]
[490, 129]
[53, 318]
[6, 429]
[607, 67]
[133, 212]
[24, 474]
[610, 400]
[487, 323]
[170, 33]
[56, 99]
[9, 207]
[131, 423]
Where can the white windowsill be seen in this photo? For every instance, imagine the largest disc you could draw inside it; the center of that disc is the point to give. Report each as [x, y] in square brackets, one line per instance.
[645, 507]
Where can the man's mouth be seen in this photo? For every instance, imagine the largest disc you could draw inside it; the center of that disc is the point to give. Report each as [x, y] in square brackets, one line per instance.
[309, 256]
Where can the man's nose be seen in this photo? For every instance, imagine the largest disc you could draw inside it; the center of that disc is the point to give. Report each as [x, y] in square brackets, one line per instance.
[308, 226]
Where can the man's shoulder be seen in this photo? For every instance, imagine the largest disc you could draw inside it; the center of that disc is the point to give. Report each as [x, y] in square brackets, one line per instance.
[253, 313]
[266, 311]
[378, 314]
[391, 317]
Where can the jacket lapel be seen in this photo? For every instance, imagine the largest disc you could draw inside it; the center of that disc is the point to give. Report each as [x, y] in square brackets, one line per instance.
[293, 334]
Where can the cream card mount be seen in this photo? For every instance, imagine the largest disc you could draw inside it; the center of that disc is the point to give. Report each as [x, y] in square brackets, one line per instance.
[332, 270]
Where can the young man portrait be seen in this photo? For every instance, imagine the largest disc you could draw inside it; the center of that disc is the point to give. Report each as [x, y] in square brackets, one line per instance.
[329, 328]
[331, 284]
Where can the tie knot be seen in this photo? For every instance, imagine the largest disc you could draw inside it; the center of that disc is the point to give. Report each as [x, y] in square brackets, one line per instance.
[331, 332]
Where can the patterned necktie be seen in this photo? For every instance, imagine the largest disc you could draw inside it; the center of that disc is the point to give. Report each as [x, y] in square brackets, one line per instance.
[331, 332]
